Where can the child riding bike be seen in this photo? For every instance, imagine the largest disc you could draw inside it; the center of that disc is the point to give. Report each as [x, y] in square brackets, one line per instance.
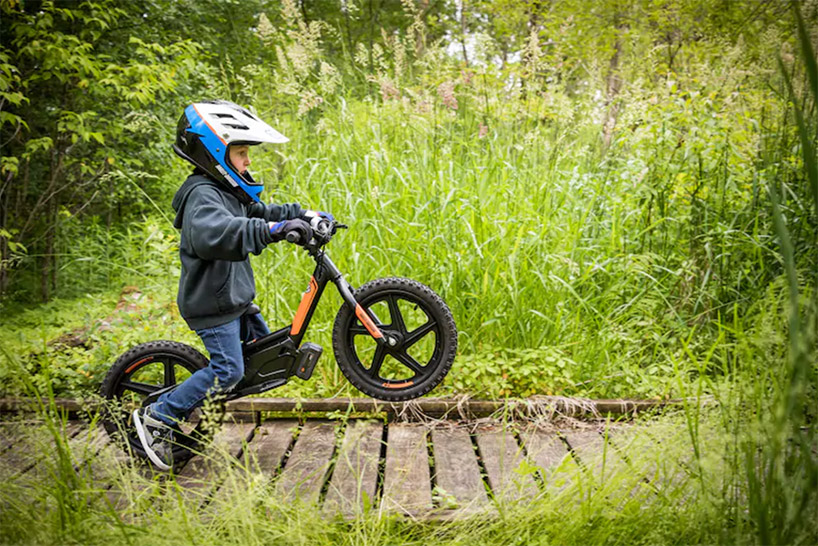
[222, 221]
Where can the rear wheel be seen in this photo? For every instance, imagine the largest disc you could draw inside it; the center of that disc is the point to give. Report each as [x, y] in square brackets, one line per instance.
[143, 371]
[423, 334]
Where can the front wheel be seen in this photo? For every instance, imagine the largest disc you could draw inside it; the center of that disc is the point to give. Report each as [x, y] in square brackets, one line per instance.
[425, 337]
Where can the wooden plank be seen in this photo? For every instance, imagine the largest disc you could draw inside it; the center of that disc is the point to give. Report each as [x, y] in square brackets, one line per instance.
[201, 473]
[407, 482]
[10, 433]
[502, 458]
[86, 445]
[546, 450]
[303, 475]
[106, 464]
[356, 469]
[270, 442]
[430, 406]
[456, 469]
[589, 448]
[32, 449]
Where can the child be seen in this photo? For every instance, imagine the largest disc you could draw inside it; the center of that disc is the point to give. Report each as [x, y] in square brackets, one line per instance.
[222, 221]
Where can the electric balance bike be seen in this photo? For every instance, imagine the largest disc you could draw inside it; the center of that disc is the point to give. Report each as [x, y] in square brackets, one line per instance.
[393, 338]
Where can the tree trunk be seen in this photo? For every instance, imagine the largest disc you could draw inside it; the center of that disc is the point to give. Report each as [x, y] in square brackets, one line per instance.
[420, 38]
[4, 247]
[463, 30]
[54, 226]
[530, 68]
[45, 267]
[613, 84]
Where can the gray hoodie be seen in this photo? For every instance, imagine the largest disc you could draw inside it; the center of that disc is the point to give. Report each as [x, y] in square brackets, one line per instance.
[218, 234]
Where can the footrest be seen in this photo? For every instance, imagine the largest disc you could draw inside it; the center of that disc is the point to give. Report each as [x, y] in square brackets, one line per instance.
[306, 358]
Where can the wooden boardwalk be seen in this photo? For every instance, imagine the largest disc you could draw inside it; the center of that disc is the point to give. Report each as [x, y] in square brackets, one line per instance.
[439, 469]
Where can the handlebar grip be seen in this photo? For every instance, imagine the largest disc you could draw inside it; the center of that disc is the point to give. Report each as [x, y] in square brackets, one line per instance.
[293, 237]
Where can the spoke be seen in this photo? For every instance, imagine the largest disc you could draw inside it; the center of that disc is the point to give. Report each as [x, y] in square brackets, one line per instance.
[141, 388]
[418, 333]
[378, 322]
[377, 360]
[397, 318]
[358, 331]
[404, 358]
[170, 373]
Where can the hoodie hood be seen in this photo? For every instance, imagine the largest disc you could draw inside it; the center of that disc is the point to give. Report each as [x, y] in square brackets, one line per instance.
[180, 199]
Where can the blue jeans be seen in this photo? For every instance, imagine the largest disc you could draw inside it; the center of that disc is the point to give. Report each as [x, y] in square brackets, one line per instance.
[226, 368]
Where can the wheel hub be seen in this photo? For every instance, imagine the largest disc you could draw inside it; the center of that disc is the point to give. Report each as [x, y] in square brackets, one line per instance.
[394, 340]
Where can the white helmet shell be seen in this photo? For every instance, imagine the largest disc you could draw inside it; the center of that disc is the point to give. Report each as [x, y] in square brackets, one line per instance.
[205, 133]
[234, 124]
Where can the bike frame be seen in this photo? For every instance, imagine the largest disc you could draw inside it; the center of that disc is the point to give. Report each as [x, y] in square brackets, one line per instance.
[271, 360]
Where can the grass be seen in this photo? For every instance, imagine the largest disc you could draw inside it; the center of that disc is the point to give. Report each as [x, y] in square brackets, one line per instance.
[659, 480]
[678, 261]
[586, 268]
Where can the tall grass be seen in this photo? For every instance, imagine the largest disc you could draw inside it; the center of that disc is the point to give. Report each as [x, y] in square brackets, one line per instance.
[607, 266]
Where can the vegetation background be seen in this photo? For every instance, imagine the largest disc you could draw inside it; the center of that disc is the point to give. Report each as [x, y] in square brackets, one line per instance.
[616, 198]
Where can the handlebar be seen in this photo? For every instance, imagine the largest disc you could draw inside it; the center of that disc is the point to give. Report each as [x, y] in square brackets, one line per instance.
[322, 233]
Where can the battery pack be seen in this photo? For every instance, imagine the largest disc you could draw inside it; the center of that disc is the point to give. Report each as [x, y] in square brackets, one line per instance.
[306, 358]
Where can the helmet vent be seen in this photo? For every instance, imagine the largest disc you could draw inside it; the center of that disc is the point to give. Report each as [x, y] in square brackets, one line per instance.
[237, 126]
[222, 116]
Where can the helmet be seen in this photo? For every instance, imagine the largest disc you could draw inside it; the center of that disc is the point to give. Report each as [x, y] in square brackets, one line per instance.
[205, 132]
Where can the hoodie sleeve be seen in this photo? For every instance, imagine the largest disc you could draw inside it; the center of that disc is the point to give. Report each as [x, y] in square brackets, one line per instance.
[216, 234]
[274, 213]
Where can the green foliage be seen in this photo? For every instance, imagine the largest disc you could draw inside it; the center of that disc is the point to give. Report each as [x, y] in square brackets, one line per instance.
[490, 182]
[616, 199]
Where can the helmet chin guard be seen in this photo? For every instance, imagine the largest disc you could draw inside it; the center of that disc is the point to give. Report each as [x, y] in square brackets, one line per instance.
[205, 133]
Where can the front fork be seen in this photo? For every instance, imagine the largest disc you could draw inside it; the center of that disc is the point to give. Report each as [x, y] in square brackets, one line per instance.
[327, 271]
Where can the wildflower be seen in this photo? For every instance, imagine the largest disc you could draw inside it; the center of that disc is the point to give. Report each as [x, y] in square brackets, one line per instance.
[388, 90]
[309, 100]
[328, 79]
[484, 130]
[265, 29]
[446, 93]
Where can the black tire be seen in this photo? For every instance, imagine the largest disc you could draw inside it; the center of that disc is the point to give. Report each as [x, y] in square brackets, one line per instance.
[148, 362]
[405, 376]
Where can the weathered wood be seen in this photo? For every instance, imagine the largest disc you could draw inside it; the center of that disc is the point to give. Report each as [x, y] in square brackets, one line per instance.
[356, 469]
[32, 449]
[456, 469]
[546, 450]
[201, 472]
[270, 443]
[502, 458]
[85, 445]
[433, 407]
[107, 462]
[303, 475]
[407, 482]
[10, 434]
[588, 446]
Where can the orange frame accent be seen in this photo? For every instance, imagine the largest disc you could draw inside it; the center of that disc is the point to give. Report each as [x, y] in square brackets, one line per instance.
[304, 307]
[367, 322]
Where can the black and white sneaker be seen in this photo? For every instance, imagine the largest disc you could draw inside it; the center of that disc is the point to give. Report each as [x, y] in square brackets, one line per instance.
[156, 438]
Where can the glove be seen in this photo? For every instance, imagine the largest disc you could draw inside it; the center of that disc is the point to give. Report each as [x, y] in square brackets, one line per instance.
[279, 230]
[316, 217]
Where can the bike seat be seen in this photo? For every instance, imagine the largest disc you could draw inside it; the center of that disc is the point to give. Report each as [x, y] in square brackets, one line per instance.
[252, 309]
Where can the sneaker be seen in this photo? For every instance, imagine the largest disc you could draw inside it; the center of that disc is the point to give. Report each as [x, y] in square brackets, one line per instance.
[156, 438]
